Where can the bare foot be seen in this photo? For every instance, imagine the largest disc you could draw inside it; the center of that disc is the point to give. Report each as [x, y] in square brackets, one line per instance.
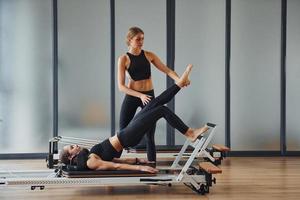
[184, 79]
[197, 133]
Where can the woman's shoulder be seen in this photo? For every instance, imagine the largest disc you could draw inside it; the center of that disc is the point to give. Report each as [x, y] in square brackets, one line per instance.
[123, 56]
[149, 54]
[94, 156]
[124, 60]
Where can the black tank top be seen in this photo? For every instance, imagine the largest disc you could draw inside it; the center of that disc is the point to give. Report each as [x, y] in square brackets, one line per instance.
[105, 151]
[139, 68]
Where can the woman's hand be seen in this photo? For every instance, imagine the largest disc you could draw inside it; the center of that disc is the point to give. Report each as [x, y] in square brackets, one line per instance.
[145, 99]
[144, 168]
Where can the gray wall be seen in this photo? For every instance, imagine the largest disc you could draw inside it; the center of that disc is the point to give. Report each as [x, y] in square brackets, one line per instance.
[25, 76]
[255, 74]
[200, 41]
[84, 68]
[293, 75]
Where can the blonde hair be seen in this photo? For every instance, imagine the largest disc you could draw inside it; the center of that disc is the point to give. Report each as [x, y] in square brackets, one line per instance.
[133, 31]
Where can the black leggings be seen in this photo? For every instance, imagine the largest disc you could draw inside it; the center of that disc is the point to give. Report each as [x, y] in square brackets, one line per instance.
[129, 106]
[144, 120]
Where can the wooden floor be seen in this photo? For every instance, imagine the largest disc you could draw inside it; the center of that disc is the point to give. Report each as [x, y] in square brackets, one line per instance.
[242, 178]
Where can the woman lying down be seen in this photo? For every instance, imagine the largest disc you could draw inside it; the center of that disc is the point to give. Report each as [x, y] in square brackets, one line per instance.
[106, 155]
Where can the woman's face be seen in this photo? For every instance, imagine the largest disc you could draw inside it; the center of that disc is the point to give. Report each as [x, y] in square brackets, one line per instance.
[137, 41]
[73, 150]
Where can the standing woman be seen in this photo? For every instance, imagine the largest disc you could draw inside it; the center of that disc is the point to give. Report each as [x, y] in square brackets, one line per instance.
[136, 65]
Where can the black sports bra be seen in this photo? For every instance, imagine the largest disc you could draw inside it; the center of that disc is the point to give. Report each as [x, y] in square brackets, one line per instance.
[105, 151]
[139, 68]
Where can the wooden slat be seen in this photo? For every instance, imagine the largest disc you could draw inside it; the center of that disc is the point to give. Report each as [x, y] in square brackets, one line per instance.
[221, 147]
[210, 168]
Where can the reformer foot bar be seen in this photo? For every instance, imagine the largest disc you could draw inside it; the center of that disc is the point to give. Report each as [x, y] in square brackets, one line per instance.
[198, 178]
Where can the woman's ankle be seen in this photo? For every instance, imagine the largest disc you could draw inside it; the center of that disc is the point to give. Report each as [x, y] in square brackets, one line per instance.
[189, 133]
[179, 84]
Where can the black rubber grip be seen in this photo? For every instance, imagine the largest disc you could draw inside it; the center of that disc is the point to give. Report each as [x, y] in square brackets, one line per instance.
[211, 124]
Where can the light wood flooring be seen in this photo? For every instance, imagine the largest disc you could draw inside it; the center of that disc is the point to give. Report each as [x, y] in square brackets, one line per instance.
[242, 178]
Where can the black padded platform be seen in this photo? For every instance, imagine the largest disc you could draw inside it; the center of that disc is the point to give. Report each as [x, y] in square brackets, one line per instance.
[104, 173]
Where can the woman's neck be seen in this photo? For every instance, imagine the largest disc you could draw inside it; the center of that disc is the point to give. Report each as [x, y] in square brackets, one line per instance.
[135, 51]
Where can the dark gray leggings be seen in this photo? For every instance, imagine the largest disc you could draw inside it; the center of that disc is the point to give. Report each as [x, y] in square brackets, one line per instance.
[146, 118]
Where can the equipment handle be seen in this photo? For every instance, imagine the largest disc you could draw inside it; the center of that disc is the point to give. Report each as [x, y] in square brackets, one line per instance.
[211, 125]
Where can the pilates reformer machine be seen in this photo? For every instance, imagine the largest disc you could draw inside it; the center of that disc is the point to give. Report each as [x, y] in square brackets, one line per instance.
[198, 177]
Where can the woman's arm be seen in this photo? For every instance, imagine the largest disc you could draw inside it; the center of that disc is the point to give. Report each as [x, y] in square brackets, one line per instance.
[161, 66]
[131, 160]
[126, 160]
[98, 164]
